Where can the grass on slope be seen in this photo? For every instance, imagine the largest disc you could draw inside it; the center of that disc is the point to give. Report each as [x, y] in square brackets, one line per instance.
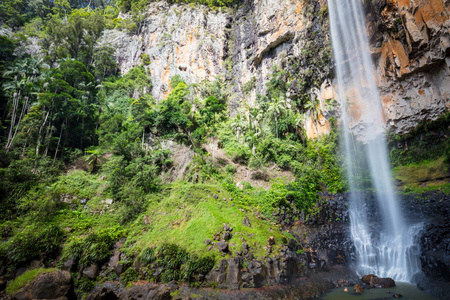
[184, 213]
[423, 176]
[187, 214]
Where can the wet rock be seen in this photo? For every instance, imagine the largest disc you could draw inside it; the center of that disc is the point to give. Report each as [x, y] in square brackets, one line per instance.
[208, 241]
[358, 289]
[57, 284]
[342, 283]
[382, 282]
[367, 279]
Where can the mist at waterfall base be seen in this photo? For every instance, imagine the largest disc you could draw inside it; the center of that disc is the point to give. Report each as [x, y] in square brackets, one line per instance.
[387, 249]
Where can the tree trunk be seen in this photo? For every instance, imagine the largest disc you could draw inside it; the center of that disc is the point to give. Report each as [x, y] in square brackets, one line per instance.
[276, 124]
[59, 141]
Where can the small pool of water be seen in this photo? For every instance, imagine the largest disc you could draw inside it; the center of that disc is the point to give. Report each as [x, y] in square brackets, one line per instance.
[408, 291]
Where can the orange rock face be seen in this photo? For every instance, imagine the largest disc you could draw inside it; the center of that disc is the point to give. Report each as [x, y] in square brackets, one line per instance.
[412, 62]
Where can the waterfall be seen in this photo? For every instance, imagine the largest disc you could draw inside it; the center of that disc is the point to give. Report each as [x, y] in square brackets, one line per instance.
[389, 251]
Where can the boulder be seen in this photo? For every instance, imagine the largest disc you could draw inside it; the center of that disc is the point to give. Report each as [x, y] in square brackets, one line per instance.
[358, 289]
[383, 282]
[91, 272]
[69, 265]
[102, 293]
[226, 235]
[233, 274]
[227, 228]
[160, 293]
[222, 246]
[367, 279]
[57, 284]
[374, 281]
[218, 276]
[136, 292]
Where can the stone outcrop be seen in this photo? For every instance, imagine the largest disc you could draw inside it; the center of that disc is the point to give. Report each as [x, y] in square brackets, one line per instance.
[411, 47]
[54, 285]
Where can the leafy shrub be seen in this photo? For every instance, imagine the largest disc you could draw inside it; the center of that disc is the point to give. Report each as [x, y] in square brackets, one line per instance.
[148, 255]
[241, 155]
[447, 156]
[30, 243]
[176, 263]
[231, 169]
[195, 267]
[6, 230]
[427, 141]
[171, 256]
[92, 249]
[129, 275]
[146, 59]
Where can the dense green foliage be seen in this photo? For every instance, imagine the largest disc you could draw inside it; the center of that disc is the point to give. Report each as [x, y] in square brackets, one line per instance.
[84, 152]
[136, 5]
[428, 141]
[92, 249]
[176, 263]
[29, 243]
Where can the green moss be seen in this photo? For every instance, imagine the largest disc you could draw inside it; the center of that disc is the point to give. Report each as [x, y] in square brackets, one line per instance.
[25, 279]
[426, 175]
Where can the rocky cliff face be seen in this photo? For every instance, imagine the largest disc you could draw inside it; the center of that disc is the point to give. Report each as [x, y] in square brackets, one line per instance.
[289, 40]
[184, 40]
[411, 48]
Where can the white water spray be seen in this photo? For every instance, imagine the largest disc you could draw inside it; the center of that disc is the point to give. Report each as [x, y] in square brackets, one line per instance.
[391, 251]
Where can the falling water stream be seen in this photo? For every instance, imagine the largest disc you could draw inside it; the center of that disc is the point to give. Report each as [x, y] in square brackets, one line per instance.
[389, 251]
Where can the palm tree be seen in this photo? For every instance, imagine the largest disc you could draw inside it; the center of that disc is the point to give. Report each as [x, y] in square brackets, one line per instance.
[277, 108]
[239, 125]
[23, 86]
